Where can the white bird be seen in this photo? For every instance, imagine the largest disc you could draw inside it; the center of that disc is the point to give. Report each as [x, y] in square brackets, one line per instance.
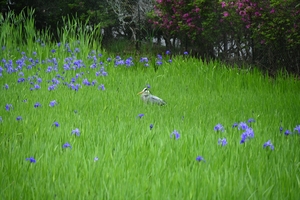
[149, 98]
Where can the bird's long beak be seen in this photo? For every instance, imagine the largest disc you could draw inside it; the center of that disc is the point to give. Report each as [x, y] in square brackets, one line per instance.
[140, 92]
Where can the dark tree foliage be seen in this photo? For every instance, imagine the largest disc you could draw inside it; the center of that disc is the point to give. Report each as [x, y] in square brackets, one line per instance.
[48, 14]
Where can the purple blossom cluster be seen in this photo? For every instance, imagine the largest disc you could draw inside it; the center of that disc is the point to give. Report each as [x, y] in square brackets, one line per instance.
[145, 60]
[121, 62]
[159, 60]
[248, 133]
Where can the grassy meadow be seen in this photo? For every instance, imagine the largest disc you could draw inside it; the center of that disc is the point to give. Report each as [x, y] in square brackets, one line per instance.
[73, 127]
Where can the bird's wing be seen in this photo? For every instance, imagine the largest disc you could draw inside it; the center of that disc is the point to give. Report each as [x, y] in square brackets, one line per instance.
[155, 99]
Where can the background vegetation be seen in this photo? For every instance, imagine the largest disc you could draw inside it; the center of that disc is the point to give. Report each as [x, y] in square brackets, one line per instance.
[260, 33]
[72, 126]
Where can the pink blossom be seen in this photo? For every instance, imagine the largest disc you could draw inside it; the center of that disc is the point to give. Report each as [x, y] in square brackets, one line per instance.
[257, 14]
[242, 13]
[223, 4]
[189, 20]
[240, 5]
[197, 9]
[226, 14]
[185, 15]
[248, 26]
[272, 11]
[262, 41]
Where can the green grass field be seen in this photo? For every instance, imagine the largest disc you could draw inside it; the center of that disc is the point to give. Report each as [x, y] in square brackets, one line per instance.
[115, 154]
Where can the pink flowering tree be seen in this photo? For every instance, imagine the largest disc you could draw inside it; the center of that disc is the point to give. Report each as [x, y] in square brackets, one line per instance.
[270, 28]
[184, 20]
[264, 32]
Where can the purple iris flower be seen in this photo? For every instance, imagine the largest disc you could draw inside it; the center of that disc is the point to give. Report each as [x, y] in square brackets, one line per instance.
[248, 134]
[76, 132]
[280, 129]
[176, 134]
[101, 87]
[20, 80]
[251, 120]
[287, 132]
[235, 125]
[36, 86]
[56, 124]
[268, 144]
[86, 82]
[200, 158]
[159, 62]
[37, 104]
[222, 141]
[66, 145]
[141, 115]
[219, 127]
[297, 128]
[8, 107]
[52, 103]
[151, 126]
[242, 126]
[144, 60]
[31, 159]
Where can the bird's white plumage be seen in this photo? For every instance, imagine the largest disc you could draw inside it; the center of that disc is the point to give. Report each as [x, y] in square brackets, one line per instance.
[149, 98]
